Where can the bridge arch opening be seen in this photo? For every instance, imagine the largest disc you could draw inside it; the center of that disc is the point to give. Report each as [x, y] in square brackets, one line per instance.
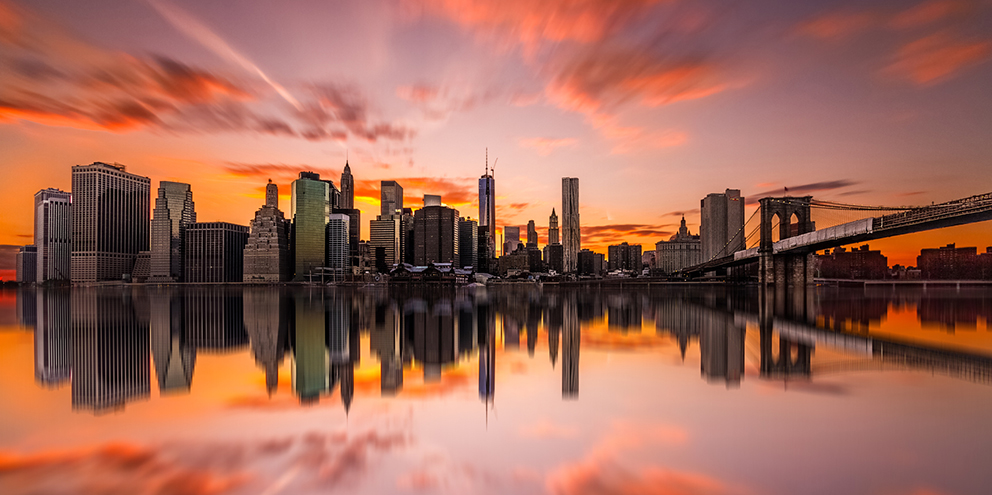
[776, 227]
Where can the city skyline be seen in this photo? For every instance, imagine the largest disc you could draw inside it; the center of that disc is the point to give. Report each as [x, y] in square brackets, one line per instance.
[888, 106]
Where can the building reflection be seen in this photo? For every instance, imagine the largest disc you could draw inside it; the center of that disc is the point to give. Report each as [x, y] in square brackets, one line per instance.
[106, 342]
[110, 350]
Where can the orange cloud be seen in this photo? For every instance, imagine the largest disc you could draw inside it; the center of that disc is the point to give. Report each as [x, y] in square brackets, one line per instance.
[937, 57]
[835, 26]
[930, 12]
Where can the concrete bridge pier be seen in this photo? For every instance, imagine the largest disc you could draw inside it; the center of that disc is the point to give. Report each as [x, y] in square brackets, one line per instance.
[792, 270]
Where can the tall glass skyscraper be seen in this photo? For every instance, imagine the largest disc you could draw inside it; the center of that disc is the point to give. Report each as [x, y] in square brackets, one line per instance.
[110, 221]
[311, 205]
[487, 214]
[53, 234]
[391, 198]
[173, 212]
[571, 233]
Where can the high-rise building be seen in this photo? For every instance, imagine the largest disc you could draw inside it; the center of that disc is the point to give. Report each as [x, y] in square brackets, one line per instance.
[511, 239]
[572, 235]
[680, 251]
[267, 256]
[173, 212]
[435, 232]
[384, 235]
[347, 188]
[407, 241]
[531, 234]
[721, 228]
[354, 232]
[110, 221]
[26, 265]
[554, 257]
[310, 208]
[338, 259]
[53, 234]
[468, 243]
[391, 198]
[487, 214]
[432, 200]
[214, 252]
[553, 228]
[624, 257]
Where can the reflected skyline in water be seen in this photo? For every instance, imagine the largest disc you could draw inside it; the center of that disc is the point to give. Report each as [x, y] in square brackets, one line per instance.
[107, 344]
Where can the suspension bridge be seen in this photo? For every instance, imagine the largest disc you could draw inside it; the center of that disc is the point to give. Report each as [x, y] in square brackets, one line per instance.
[781, 234]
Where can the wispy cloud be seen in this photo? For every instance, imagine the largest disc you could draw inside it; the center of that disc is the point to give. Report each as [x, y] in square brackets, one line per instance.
[545, 146]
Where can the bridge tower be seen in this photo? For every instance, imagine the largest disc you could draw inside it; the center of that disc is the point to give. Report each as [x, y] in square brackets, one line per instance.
[782, 269]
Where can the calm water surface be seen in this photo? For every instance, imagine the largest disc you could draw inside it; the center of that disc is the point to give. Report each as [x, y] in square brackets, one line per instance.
[209, 390]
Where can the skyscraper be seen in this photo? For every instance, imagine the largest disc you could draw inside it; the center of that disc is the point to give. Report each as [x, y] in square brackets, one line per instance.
[338, 259]
[214, 252]
[721, 224]
[53, 234]
[435, 232]
[531, 234]
[384, 235]
[26, 264]
[553, 228]
[267, 253]
[347, 188]
[511, 239]
[468, 243]
[173, 212]
[487, 213]
[110, 221]
[310, 208]
[572, 236]
[354, 232]
[391, 198]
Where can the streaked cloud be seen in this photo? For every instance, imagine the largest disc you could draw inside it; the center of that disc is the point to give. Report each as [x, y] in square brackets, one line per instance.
[937, 57]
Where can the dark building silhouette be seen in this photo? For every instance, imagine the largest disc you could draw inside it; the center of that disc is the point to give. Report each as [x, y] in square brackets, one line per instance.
[590, 263]
[436, 235]
[468, 243]
[860, 263]
[354, 232]
[214, 252]
[347, 188]
[624, 257]
[949, 262]
[554, 257]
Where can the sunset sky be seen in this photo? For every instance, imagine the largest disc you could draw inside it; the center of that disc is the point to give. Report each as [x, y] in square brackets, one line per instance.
[651, 104]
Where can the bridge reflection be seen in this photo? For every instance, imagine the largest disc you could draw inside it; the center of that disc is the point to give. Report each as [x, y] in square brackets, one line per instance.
[108, 343]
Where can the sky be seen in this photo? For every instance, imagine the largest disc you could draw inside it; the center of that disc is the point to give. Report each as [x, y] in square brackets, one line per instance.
[652, 104]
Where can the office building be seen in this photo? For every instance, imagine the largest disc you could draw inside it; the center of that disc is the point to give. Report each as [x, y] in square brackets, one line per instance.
[354, 233]
[435, 232]
[682, 250]
[110, 221]
[310, 207]
[531, 234]
[391, 198]
[53, 234]
[553, 237]
[511, 239]
[554, 257]
[590, 263]
[347, 201]
[173, 212]
[468, 243]
[406, 236]
[487, 217]
[214, 252]
[338, 244]
[721, 228]
[949, 263]
[858, 263]
[267, 256]
[432, 200]
[624, 257]
[384, 237]
[572, 234]
[26, 265]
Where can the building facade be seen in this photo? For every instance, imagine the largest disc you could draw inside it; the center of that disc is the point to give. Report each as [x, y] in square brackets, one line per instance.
[53, 234]
[267, 256]
[391, 198]
[861, 263]
[554, 257]
[354, 232]
[572, 232]
[347, 188]
[384, 235]
[721, 229]
[468, 243]
[511, 239]
[553, 236]
[26, 265]
[624, 257]
[487, 215]
[214, 252]
[110, 221]
[310, 209]
[174, 210]
[435, 232]
[682, 250]
[338, 244]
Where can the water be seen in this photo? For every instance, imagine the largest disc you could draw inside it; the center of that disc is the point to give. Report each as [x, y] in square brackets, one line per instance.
[215, 390]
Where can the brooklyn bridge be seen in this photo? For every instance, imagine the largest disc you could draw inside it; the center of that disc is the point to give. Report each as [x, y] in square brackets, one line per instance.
[781, 235]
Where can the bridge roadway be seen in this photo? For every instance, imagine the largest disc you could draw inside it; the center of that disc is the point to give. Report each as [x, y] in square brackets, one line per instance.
[958, 212]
